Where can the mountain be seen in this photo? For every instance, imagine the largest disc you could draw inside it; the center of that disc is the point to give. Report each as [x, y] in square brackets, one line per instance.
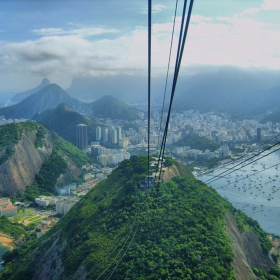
[20, 96]
[229, 90]
[63, 121]
[127, 88]
[46, 98]
[32, 158]
[180, 229]
[110, 107]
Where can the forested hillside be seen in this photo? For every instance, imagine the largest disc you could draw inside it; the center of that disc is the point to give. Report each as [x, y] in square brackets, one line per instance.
[176, 230]
[63, 121]
[32, 157]
[197, 142]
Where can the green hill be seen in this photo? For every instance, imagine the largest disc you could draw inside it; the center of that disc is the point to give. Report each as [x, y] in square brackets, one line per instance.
[46, 98]
[197, 142]
[110, 107]
[63, 121]
[33, 157]
[273, 117]
[175, 231]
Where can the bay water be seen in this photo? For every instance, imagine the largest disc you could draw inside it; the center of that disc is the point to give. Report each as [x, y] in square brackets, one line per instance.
[254, 189]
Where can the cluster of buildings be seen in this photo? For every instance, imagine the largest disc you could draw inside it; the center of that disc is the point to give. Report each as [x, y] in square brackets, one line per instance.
[196, 154]
[107, 134]
[7, 208]
[106, 156]
[4, 121]
[62, 203]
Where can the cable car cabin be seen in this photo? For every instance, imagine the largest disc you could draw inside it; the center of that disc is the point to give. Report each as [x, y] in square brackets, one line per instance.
[157, 178]
[148, 182]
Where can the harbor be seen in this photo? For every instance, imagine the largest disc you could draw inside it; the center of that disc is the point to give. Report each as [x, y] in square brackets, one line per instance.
[254, 188]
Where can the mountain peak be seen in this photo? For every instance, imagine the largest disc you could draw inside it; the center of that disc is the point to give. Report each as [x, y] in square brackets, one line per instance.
[22, 95]
[45, 82]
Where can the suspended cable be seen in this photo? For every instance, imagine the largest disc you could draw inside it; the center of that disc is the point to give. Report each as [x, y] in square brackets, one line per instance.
[167, 73]
[212, 179]
[180, 50]
[248, 163]
[247, 176]
[246, 156]
[149, 79]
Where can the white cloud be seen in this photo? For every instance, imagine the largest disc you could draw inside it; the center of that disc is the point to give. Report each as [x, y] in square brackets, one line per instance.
[155, 9]
[198, 18]
[240, 41]
[271, 5]
[82, 32]
[250, 11]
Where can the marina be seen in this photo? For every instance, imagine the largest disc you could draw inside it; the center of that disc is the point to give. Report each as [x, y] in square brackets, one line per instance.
[254, 189]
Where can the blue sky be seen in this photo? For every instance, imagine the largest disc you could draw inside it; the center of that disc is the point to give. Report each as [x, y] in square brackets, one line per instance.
[61, 39]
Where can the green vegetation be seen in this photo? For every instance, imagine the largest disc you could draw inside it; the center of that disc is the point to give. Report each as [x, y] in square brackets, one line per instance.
[63, 121]
[53, 167]
[273, 117]
[273, 274]
[65, 148]
[11, 135]
[45, 181]
[246, 223]
[110, 107]
[39, 138]
[237, 149]
[173, 231]
[134, 126]
[197, 142]
[210, 163]
[13, 229]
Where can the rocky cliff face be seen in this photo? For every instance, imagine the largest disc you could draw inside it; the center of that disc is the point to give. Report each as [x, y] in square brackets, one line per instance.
[247, 251]
[20, 170]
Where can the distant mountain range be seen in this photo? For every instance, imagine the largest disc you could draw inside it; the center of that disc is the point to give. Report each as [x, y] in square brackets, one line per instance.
[113, 108]
[230, 90]
[240, 92]
[20, 96]
[52, 95]
[129, 89]
[63, 121]
[46, 98]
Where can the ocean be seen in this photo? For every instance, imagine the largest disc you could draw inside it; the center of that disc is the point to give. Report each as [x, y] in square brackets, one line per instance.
[3, 250]
[256, 195]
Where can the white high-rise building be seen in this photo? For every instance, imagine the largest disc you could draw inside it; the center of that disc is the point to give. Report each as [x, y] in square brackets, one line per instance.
[113, 136]
[63, 205]
[119, 133]
[105, 134]
[98, 133]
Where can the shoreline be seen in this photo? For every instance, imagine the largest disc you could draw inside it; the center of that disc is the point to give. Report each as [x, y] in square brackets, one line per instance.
[9, 242]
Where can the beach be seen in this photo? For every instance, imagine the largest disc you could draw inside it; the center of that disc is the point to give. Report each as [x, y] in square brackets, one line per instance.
[8, 242]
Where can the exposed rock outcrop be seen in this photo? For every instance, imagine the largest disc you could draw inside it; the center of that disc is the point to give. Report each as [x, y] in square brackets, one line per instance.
[174, 171]
[247, 251]
[20, 170]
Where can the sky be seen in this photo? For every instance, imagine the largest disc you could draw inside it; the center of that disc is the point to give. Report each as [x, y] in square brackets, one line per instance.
[61, 39]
